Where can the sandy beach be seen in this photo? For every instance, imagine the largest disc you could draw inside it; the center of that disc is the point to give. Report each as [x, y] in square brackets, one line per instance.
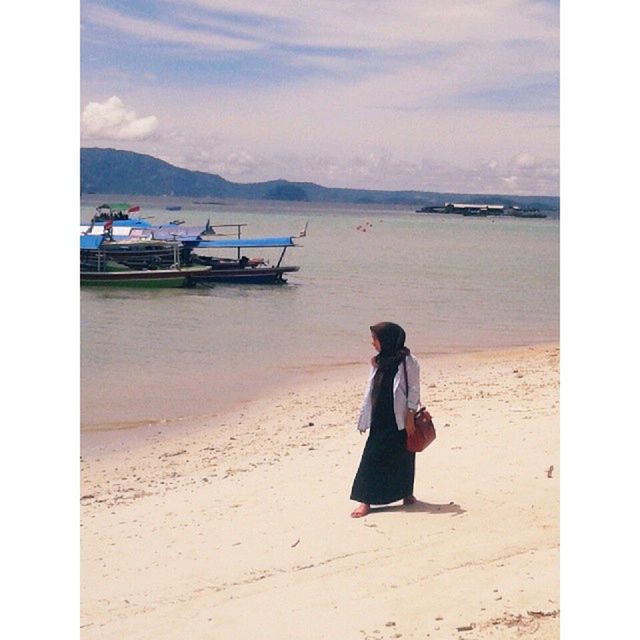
[239, 527]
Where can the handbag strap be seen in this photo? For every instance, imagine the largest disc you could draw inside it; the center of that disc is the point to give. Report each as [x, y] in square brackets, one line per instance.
[406, 382]
[406, 379]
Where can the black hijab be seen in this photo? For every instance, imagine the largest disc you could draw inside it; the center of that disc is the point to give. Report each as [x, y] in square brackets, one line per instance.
[391, 337]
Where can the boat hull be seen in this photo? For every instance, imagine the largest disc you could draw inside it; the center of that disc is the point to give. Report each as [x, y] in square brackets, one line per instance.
[249, 275]
[149, 279]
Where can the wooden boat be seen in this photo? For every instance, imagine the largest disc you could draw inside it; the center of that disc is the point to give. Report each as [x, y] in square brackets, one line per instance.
[112, 211]
[145, 278]
[239, 272]
[134, 262]
[135, 247]
[241, 268]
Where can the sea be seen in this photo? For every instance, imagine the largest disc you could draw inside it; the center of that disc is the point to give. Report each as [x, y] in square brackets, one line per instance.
[455, 284]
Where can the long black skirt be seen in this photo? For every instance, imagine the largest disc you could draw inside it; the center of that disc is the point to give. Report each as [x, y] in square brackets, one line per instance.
[387, 470]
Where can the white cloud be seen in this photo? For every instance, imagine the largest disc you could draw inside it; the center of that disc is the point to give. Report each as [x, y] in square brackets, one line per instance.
[236, 166]
[111, 120]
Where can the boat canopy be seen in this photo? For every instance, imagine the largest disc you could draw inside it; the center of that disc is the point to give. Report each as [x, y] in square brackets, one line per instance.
[117, 231]
[132, 222]
[177, 232]
[124, 226]
[90, 242]
[239, 243]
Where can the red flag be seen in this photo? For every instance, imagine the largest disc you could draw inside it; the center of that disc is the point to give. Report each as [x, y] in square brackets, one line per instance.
[133, 209]
[108, 224]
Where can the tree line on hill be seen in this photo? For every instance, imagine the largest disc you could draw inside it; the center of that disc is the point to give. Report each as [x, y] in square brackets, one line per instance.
[115, 171]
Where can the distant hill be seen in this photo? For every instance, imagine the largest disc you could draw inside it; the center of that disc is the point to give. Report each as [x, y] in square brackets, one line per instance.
[114, 171]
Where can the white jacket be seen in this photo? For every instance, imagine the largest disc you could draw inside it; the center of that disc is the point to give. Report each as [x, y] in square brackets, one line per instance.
[400, 401]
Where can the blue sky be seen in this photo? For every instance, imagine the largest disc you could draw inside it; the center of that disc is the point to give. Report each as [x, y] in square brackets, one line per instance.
[426, 94]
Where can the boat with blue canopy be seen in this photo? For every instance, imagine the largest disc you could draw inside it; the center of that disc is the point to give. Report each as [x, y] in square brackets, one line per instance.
[135, 244]
[241, 268]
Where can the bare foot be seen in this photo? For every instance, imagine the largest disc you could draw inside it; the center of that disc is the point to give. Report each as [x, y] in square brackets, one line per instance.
[360, 511]
[409, 500]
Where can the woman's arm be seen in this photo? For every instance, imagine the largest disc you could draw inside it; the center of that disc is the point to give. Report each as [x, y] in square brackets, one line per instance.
[413, 378]
[364, 418]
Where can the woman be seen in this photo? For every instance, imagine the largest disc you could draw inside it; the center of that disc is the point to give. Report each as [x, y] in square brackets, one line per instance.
[387, 469]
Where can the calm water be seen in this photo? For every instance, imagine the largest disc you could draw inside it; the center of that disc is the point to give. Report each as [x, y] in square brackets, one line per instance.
[453, 283]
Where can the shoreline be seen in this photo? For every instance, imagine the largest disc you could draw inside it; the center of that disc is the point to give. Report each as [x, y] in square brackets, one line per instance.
[239, 527]
[102, 432]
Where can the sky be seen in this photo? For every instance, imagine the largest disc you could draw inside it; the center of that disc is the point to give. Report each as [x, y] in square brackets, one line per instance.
[432, 95]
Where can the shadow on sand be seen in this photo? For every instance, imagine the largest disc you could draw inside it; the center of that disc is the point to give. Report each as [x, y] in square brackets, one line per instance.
[423, 507]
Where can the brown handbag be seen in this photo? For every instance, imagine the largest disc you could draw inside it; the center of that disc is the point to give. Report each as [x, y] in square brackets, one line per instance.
[424, 433]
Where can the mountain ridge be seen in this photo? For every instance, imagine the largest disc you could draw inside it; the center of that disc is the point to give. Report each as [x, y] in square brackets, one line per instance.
[107, 170]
